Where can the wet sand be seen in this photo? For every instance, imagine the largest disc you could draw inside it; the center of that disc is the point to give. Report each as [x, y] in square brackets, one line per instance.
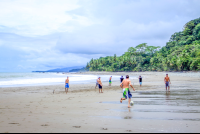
[83, 109]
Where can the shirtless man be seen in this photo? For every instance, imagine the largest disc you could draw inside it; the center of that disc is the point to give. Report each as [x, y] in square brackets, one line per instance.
[126, 91]
[100, 85]
[110, 81]
[167, 81]
[67, 84]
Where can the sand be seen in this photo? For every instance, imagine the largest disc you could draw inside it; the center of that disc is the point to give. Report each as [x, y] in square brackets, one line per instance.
[84, 110]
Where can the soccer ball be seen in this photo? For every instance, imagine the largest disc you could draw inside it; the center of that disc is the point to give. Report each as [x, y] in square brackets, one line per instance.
[132, 103]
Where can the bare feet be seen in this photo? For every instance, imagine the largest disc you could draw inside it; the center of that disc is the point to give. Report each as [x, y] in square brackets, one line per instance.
[101, 92]
[121, 100]
[129, 106]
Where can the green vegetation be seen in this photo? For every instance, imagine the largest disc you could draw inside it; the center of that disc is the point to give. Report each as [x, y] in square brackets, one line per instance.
[181, 53]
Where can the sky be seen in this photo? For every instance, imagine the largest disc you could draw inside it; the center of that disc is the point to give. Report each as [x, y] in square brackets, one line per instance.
[49, 34]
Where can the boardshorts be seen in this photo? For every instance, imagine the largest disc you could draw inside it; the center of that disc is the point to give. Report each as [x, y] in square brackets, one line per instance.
[67, 85]
[126, 93]
[100, 87]
[167, 84]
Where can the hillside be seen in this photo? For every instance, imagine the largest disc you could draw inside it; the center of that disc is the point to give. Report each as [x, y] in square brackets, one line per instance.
[181, 53]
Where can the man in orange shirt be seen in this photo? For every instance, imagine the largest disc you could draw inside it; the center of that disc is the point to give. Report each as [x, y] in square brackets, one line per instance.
[167, 81]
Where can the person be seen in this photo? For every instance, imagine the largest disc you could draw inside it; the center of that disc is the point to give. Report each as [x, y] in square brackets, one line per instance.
[100, 85]
[140, 80]
[97, 83]
[126, 91]
[167, 81]
[110, 81]
[121, 79]
[67, 84]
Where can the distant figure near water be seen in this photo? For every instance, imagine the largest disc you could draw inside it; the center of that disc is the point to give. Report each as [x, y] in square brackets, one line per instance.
[140, 80]
[100, 85]
[121, 79]
[126, 91]
[167, 81]
[97, 83]
[67, 84]
[110, 81]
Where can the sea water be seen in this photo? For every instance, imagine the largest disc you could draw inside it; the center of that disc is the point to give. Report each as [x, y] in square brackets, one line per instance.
[35, 79]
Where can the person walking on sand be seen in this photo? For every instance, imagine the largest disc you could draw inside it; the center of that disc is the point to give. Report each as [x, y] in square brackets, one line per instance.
[97, 83]
[100, 85]
[140, 80]
[67, 84]
[167, 81]
[110, 80]
[126, 91]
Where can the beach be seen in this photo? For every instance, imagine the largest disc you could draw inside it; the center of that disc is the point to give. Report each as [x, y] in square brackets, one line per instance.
[83, 109]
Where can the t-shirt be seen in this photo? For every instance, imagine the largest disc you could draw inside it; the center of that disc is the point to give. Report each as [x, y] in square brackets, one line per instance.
[121, 79]
[140, 79]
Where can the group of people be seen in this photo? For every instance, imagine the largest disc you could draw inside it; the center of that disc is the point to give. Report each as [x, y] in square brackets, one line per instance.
[125, 83]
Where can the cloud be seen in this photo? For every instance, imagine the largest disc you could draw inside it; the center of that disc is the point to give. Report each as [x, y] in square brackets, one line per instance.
[47, 34]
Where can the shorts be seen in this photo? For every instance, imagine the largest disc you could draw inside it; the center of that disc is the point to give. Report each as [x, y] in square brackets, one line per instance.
[67, 85]
[110, 81]
[127, 93]
[140, 83]
[167, 84]
[100, 87]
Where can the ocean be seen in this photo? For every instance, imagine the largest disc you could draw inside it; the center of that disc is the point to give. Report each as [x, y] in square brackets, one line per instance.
[36, 79]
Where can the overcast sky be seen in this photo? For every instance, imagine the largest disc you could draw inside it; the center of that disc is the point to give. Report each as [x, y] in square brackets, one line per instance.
[49, 34]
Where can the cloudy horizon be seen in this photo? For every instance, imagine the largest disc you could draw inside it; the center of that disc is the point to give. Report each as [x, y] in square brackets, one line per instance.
[49, 34]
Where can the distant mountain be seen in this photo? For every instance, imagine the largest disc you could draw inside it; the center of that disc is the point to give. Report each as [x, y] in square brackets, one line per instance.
[67, 69]
[79, 70]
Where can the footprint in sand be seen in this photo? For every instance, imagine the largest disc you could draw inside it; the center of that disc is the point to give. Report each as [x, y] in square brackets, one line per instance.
[77, 126]
[105, 128]
[44, 125]
[13, 123]
[128, 130]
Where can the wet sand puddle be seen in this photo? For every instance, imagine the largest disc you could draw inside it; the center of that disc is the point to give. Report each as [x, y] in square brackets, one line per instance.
[179, 104]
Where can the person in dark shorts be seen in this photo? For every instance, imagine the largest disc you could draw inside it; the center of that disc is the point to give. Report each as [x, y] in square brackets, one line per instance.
[140, 80]
[121, 79]
[167, 81]
[100, 85]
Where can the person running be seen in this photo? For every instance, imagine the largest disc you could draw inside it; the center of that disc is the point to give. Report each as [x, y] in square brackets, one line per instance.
[100, 85]
[67, 84]
[110, 81]
[126, 91]
[167, 81]
[97, 83]
[140, 80]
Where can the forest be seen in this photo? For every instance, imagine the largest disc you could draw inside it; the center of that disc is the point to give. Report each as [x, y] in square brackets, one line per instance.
[181, 53]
